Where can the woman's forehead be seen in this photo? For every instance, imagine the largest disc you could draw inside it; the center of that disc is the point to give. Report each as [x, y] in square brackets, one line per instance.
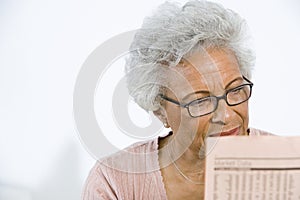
[209, 61]
[217, 65]
[210, 72]
[193, 80]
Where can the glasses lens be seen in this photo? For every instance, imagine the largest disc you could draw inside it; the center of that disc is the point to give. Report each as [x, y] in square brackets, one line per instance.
[238, 95]
[202, 106]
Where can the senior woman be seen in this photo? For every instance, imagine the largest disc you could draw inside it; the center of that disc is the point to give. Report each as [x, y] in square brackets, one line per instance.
[191, 66]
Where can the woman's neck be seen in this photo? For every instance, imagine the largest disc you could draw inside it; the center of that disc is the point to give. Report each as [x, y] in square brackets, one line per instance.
[186, 159]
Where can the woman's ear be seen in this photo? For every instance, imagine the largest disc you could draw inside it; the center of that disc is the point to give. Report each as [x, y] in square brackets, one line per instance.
[161, 114]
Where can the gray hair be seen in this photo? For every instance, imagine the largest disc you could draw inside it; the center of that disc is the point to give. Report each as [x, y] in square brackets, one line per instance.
[173, 32]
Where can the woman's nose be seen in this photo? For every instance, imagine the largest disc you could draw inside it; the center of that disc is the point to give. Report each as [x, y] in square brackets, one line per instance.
[223, 113]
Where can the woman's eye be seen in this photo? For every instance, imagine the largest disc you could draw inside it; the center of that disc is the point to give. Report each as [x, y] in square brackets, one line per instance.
[236, 91]
[204, 102]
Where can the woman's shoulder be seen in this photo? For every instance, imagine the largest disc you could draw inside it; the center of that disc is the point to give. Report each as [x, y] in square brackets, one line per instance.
[123, 170]
[139, 157]
[258, 132]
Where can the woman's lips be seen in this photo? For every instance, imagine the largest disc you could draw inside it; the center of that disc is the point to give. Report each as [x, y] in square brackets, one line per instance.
[231, 132]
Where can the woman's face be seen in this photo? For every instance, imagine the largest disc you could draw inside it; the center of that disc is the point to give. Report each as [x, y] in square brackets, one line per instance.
[203, 74]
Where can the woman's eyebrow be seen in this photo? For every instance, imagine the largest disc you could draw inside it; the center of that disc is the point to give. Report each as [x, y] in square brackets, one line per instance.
[207, 92]
[196, 92]
[234, 80]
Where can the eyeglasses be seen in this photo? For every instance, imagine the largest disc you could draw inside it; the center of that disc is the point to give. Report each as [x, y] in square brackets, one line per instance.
[207, 105]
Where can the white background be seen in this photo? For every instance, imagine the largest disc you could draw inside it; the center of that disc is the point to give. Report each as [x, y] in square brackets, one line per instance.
[42, 47]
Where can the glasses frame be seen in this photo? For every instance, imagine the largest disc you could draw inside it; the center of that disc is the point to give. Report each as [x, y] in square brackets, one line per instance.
[224, 96]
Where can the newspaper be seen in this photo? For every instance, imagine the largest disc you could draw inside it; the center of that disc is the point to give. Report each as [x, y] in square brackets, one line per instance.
[252, 168]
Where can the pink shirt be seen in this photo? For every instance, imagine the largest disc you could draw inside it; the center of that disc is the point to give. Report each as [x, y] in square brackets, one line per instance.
[127, 176]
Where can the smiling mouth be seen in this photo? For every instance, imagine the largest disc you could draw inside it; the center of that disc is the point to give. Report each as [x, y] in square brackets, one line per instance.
[232, 132]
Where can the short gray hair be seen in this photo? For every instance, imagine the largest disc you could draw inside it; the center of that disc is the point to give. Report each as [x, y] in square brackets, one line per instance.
[173, 32]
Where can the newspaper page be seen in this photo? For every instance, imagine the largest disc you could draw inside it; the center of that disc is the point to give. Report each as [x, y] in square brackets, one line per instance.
[252, 168]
